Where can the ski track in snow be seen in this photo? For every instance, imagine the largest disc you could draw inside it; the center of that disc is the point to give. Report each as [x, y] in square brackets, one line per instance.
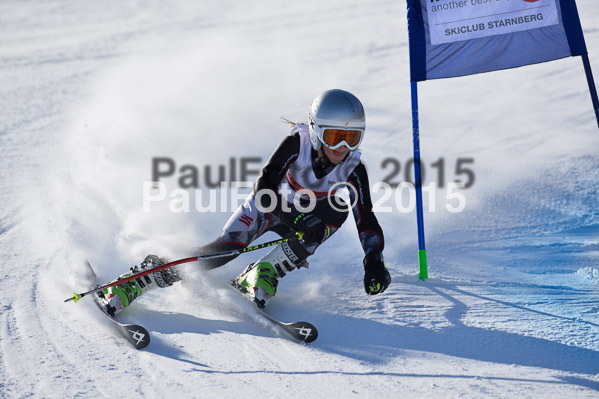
[92, 91]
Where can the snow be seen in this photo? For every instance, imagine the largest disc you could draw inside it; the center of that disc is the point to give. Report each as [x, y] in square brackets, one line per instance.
[92, 91]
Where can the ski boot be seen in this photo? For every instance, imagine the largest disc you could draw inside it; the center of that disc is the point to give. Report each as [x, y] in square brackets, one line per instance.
[259, 280]
[117, 298]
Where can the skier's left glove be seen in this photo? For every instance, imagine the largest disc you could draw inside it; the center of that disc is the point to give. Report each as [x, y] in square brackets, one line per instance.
[376, 275]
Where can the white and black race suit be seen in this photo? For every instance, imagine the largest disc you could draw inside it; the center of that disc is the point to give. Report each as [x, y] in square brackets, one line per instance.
[296, 166]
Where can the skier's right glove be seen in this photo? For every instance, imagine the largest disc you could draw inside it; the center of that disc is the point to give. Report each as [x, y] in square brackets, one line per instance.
[376, 275]
[313, 228]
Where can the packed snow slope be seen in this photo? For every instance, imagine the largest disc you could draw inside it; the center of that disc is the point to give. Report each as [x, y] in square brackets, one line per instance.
[92, 92]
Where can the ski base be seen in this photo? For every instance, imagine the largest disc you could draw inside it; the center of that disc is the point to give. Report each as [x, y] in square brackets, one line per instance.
[137, 335]
[300, 330]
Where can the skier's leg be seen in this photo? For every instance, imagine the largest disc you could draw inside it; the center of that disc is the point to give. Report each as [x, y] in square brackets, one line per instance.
[244, 226]
[121, 296]
[260, 279]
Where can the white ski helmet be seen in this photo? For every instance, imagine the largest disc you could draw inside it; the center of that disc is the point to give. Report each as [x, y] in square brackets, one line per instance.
[337, 118]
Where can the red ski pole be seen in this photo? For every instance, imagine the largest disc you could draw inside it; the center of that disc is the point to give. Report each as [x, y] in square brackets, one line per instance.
[154, 269]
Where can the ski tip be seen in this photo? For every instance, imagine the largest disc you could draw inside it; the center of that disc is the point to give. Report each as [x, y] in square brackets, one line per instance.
[304, 331]
[137, 335]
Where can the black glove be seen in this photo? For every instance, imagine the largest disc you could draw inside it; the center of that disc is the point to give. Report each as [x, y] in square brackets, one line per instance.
[313, 228]
[376, 275]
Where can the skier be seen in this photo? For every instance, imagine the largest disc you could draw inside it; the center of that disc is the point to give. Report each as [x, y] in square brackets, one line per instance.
[293, 194]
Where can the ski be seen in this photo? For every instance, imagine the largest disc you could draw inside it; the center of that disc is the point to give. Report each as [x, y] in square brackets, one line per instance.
[137, 335]
[300, 330]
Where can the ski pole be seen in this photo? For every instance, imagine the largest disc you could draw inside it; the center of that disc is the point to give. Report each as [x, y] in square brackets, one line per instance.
[154, 269]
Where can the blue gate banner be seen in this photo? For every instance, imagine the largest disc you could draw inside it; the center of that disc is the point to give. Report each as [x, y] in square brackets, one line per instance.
[451, 38]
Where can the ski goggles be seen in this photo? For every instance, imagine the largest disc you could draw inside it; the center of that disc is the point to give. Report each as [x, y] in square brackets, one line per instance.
[334, 137]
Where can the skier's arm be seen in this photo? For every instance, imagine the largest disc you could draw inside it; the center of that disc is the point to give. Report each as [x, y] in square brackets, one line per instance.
[371, 233]
[376, 275]
[273, 172]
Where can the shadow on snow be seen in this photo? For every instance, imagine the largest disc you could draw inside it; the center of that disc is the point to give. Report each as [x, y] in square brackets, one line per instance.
[375, 342]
